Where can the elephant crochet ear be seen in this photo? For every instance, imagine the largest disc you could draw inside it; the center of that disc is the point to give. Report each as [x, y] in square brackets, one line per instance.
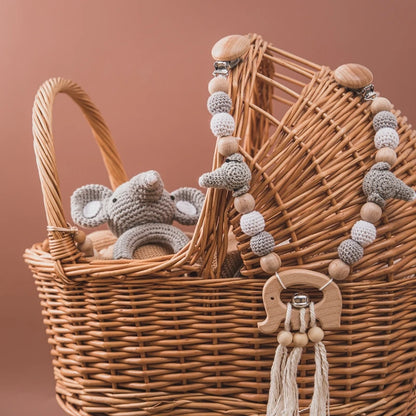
[188, 205]
[87, 205]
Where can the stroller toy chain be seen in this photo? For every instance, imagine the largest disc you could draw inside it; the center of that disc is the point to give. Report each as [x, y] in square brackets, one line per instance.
[379, 184]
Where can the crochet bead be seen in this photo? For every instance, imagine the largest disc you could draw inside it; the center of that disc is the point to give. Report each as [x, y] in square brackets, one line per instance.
[218, 84]
[300, 340]
[262, 244]
[338, 270]
[386, 137]
[380, 104]
[270, 263]
[354, 76]
[284, 338]
[222, 124]
[79, 236]
[371, 212]
[349, 251]
[252, 223]
[386, 154]
[363, 232]
[384, 119]
[316, 334]
[244, 203]
[219, 102]
[228, 145]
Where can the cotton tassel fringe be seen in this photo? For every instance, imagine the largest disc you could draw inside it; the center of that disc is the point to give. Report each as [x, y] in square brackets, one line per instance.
[275, 403]
[320, 399]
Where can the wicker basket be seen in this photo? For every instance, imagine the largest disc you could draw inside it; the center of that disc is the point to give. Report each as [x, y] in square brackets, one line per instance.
[169, 336]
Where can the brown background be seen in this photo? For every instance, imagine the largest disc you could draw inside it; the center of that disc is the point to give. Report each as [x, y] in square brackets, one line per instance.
[146, 65]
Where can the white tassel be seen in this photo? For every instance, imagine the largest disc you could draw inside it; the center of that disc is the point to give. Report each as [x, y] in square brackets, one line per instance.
[290, 386]
[320, 399]
[276, 374]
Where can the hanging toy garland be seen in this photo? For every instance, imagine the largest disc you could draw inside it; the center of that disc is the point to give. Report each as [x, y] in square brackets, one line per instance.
[234, 175]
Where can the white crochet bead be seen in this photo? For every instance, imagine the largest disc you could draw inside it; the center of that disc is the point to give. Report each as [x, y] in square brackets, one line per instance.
[219, 102]
[252, 223]
[222, 124]
[386, 137]
[363, 232]
[384, 119]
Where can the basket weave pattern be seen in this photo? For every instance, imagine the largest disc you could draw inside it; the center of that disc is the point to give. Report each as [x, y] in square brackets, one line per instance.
[168, 336]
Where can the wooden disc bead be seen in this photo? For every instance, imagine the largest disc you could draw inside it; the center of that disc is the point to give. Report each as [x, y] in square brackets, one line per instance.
[87, 247]
[338, 270]
[217, 84]
[300, 340]
[354, 76]
[386, 154]
[371, 212]
[244, 203]
[316, 334]
[230, 48]
[80, 237]
[228, 145]
[380, 104]
[270, 263]
[284, 338]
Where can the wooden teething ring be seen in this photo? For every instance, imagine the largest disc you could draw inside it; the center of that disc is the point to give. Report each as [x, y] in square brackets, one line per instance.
[328, 310]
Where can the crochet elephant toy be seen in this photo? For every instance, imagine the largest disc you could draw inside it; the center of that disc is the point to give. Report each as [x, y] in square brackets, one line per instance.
[138, 212]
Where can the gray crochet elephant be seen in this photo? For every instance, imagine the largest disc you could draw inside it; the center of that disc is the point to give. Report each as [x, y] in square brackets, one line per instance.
[380, 184]
[138, 212]
[233, 175]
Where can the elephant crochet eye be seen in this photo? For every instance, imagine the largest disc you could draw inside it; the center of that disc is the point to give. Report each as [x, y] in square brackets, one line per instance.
[227, 160]
[114, 199]
[172, 197]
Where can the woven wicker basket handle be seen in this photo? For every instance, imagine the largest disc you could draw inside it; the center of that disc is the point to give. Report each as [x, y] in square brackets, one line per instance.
[61, 244]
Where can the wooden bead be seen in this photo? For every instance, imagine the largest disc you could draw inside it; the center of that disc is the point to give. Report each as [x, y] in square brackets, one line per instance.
[371, 212]
[338, 270]
[380, 104]
[80, 236]
[300, 340]
[244, 203]
[228, 145]
[284, 338]
[230, 48]
[87, 247]
[386, 154]
[45, 244]
[316, 334]
[217, 84]
[354, 76]
[270, 263]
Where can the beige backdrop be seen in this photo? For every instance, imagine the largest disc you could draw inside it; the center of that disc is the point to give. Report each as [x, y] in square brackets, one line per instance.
[146, 65]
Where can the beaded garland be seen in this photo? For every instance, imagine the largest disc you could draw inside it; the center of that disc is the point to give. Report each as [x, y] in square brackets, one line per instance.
[379, 183]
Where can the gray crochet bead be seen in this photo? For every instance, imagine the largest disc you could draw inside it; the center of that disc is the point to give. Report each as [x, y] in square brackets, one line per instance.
[363, 232]
[252, 223]
[349, 251]
[386, 137]
[219, 102]
[262, 243]
[384, 119]
[222, 124]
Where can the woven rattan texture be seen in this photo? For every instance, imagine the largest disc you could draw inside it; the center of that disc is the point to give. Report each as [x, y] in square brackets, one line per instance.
[168, 336]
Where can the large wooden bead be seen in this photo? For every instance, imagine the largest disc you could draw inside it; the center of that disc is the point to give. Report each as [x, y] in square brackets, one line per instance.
[371, 212]
[230, 48]
[380, 104]
[338, 270]
[284, 338]
[386, 154]
[228, 145]
[354, 76]
[80, 236]
[87, 247]
[316, 334]
[300, 340]
[244, 203]
[217, 84]
[270, 263]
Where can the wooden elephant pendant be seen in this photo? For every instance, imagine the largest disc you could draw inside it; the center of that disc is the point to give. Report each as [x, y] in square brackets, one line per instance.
[328, 310]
